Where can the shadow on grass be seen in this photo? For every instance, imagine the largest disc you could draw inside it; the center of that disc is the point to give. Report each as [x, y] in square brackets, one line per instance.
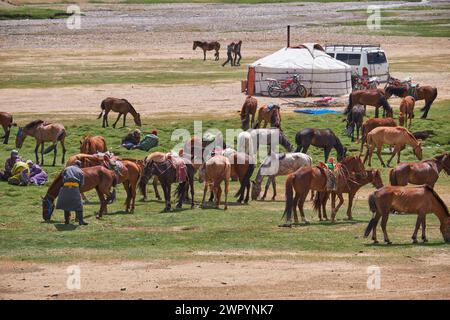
[407, 245]
[65, 227]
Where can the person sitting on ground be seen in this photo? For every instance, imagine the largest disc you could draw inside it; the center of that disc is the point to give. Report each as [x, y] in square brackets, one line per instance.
[17, 174]
[9, 164]
[34, 175]
[148, 142]
[131, 139]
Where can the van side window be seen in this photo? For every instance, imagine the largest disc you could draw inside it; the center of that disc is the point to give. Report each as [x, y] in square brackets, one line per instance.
[351, 59]
[376, 57]
[330, 54]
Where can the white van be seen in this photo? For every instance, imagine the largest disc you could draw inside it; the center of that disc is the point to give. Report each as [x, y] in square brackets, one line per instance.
[366, 60]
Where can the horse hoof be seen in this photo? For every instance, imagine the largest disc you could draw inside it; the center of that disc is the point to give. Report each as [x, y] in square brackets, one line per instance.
[425, 240]
[375, 242]
[285, 225]
[306, 222]
[388, 242]
[225, 208]
[414, 241]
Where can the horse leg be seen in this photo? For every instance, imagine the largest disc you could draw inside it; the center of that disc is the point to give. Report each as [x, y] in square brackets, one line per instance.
[204, 194]
[117, 120]
[227, 187]
[105, 119]
[374, 232]
[204, 55]
[102, 203]
[219, 195]
[384, 220]
[266, 188]
[124, 119]
[274, 186]
[36, 152]
[126, 186]
[182, 187]
[416, 229]
[376, 112]
[168, 204]
[349, 207]
[396, 150]
[63, 152]
[54, 154]
[301, 202]
[336, 209]
[191, 187]
[294, 208]
[379, 157]
[155, 188]
[324, 205]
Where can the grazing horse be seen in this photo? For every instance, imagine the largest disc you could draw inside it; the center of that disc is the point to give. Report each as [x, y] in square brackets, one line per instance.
[213, 172]
[128, 175]
[424, 172]
[166, 171]
[371, 124]
[6, 121]
[427, 93]
[208, 46]
[249, 141]
[43, 132]
[321, 138]
[122, 106]
[355, 118]
[277, 165]
[98, 178]
[406, 111]
[419, 200]
[248, 109]
[315, 178]
[92, 144]
[268, 115]
[396, 136]
[351, 187]
[371, 97]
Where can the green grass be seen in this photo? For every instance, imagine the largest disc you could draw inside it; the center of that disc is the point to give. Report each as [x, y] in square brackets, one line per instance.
[150, 234]
[31, 12]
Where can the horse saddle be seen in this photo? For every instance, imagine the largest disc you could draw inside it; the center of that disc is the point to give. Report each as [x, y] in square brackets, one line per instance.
[331, 184]
[180, 168]
[118, 167]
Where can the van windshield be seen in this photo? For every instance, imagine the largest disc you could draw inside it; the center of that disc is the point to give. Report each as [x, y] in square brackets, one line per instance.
[376, 57]
[350, 59]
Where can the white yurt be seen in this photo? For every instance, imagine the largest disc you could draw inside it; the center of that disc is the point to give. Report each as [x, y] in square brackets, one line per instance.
[321, 74]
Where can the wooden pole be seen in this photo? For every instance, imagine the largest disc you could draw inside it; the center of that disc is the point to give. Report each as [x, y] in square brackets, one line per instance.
[288, 36]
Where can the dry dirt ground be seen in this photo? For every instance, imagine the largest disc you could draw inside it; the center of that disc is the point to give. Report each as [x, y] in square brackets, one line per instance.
[233, 275]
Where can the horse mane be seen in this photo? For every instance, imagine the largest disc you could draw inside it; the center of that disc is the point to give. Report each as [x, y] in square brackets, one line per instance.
[33, 124]
[130, 105]
[410, 135]
[439, 199]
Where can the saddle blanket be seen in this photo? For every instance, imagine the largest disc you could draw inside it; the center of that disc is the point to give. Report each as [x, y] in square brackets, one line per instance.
[180, 166]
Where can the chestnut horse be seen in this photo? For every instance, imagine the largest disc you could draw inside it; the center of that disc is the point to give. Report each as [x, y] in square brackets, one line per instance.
[371, 124]
[406, 111]
[122, 106]
[97, 177]
[213, 172]
[92, 144]
[129, 175]
[268, 115]
[248, 109]
[371, 97]
[396, 136]
[208, 46]
[6, 121]
[315, 178]
[419, 200]
[43, 132]
[352, 187]
[427, 93]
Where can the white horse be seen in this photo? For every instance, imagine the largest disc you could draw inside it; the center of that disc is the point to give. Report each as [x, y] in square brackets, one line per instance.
[278, 164]
[249, 141]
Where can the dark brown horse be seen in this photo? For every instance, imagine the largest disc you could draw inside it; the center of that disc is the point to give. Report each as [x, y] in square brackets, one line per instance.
[208, 46]
[242, 167]
[321, 138]
[354, 183]
[427, 93]
[371, 97]
[354, 119]
[419, 200]
[98, 178]
[122, 106]
[371, 124]
[42, 132]
[248, 109]
[92, 144]
[268, 114]
[315, 178]
[6, 121]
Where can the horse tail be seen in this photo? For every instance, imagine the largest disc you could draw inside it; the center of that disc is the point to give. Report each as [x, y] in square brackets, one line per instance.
[61, 136]
[349, 106]
[289, 195]
[179, 191]
[317, 201]
[393, 178]
[373, 209]
[102, 106]
[248, 175]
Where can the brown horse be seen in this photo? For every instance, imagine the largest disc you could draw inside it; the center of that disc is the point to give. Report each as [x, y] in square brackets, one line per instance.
[122, 106]
[393, 136]
[157, 157]
[242, 167]
[406, 111]
[424, 172]
[321, 138]
[373, 123]
[427, 93]
[43, 132]
[351, 187]
[208, 46]
[97, 177]
[6, 121]
[248, 109]
[92, 144]
[315, 178]
[128, 175]
[213, 172]
[268, 115]
[419, 200]
[371, 97]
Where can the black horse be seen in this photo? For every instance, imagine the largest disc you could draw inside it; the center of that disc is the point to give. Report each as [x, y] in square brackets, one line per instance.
[355, 118]
[167, 174]
[321, 138]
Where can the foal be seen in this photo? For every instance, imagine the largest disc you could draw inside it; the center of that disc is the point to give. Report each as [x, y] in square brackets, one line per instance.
[406, 111]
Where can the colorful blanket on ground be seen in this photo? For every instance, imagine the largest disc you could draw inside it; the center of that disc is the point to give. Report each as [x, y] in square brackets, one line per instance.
[317, 111]
[148, 142]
